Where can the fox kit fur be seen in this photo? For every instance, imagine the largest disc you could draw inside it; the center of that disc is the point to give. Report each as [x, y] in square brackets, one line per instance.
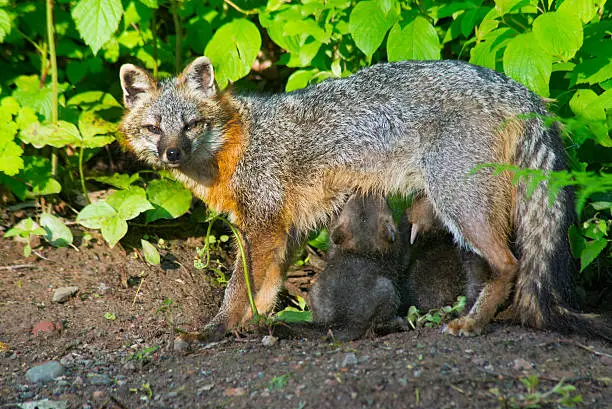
[280, 165]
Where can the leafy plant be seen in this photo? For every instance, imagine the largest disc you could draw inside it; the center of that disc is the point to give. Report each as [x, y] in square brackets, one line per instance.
[26, 229]
[435, 317]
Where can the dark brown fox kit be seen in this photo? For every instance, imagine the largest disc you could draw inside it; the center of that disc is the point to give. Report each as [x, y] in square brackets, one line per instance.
[280, 165]
[356, 294]
[437, 269]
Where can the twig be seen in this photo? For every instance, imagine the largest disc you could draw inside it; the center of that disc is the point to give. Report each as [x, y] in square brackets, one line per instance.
[578, 344]
[18, 266]
[41, 256]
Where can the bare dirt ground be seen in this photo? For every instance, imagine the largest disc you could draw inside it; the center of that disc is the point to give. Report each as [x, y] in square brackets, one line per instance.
[113, 342]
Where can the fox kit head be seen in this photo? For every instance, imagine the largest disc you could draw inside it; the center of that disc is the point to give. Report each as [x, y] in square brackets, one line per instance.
[176, 123]
[365, 225]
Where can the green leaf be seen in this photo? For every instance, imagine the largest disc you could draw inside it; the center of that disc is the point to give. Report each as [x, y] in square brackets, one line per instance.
[30, 94]
[57, 135]
[584, 9]
[585, 103]
[527, 63]
[91, 125]
[170, 199]
[97, 20]
[5, 25]
[118, 180]
[417, 41]
[321, 241]
[93, 215]
[10, 156]
[129, 203]
[592, 71]
[292, 316]
[113, 229]
[591, 250]
[57, 234]
[559, 34]
[299, 79]
[233, 49]
[369, 22]
[150, 252]
[487, 52]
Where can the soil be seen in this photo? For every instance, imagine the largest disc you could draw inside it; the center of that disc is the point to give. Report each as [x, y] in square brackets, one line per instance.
[114, 339]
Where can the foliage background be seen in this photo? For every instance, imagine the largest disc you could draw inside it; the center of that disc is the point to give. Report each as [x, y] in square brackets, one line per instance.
[59, 104]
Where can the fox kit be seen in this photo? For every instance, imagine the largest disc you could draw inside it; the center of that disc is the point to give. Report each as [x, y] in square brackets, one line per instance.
[437, 270]
[280, 165]
[356, 293]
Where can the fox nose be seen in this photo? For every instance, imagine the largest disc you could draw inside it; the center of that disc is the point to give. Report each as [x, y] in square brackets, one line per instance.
[173, 155]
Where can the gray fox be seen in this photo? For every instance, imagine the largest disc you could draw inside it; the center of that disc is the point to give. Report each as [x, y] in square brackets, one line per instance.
[356, 294]
[280, 165]
[437, 271]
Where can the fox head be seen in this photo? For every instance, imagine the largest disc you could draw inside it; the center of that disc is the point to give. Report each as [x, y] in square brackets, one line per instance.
[176, 123]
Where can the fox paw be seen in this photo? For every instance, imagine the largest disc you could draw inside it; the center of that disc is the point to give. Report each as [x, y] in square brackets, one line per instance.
[464, 326]
[210, 333]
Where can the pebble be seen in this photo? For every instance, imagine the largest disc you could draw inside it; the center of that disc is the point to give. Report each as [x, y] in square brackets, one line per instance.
[205, 388]
[180, 344]
[519, 364]
[43, 326]
[63, 294]
[269, 340]
[45, 372]
[235, 392]
[98, 395]
[349, 359]
[44, 404]
[98, 379]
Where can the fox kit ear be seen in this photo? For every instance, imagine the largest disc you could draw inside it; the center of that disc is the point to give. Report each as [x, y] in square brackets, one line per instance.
[200, 77]
[136, 83]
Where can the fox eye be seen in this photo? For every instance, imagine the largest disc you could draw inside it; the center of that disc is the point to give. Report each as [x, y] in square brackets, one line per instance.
[190, 126]
[153, 129]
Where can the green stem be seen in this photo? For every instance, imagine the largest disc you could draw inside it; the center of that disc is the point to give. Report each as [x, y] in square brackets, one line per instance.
[82, 175]
[54, 77]
[245, 268]
[154, 41]
[177, 28]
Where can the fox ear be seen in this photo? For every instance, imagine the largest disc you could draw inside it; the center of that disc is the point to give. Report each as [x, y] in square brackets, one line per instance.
[200, 77]
[136, 83]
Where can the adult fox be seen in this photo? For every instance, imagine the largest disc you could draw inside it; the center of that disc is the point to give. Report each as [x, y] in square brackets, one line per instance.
[280, 165]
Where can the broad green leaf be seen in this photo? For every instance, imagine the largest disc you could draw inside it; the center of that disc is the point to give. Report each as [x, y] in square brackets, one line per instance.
[10, 156]
[293, 316]
[592, 71]
[57, 234]
[368, 24]
[118, 180]
[417, 41]
[304, 55]
[321, 241]
[584, 9]
[585, 103]
[5, 25]
[299, 79]
[150, 252]
[25, 118]
[91, 125]
[113, 229]
[93, 215]
[170, 199]
[526, 62]
[487, 52]
[591, 250]
[57, 135]
[233, 49]
[129, 203]
[559, 34]
[97, 20]
[30, 94]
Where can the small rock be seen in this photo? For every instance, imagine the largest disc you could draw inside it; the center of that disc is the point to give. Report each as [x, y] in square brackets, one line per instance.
[98, 379]
[606, 360]
[519, 364]
[63, 294]
[269, 340]
[349, 359]
[235, 392]
[129, 366]
[180, 344]
[45, 372]
[67, 361]
[43, 326]
[205, 388]
[98, 395]
[44, 404]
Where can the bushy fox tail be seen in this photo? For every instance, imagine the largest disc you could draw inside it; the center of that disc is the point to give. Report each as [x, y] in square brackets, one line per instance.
[544, 290]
